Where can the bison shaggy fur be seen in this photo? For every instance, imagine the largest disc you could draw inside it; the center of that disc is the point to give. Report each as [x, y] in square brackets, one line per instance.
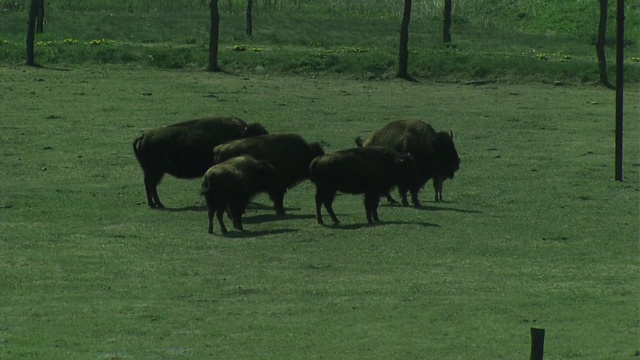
[185, 150]
[230, 186]
[435, 153]
[371, 170]
[290, 154]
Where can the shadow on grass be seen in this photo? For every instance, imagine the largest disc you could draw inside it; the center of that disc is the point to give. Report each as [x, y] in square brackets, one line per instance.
[438, 208]
[343, 226]
[256, 219]
[186, 208]
[235, 234]
[433, 208]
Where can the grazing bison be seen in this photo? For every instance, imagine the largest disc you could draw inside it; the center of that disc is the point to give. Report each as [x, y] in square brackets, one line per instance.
[372, 170]
[435, 153]
[231, 185]
[290, 154]
[185, 150]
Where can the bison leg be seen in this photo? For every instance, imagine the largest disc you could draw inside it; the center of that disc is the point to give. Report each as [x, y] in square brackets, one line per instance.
[414, 197]
[371, 202]
[220, 216]
[329, 206]
[211, 213]
[236, 214]
[403, 194]
[390, 199]
[151, 182]
[278, 201]
[326, 198]
[437, 187]
[319, 208]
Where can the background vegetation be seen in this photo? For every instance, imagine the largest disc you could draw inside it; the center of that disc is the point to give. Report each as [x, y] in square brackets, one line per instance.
[492, 40]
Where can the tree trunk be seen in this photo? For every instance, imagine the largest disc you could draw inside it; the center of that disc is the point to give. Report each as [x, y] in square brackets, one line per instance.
[249, 18]
[446, 32]
[403, 55]
[600, 43]
[31, 32]
[40, 17]
[213, 37]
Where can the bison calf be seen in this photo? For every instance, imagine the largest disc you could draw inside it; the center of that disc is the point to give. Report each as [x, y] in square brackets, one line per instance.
[185, 150]
[290, 154]
[230, 186]
[371, 170]
[435, 153]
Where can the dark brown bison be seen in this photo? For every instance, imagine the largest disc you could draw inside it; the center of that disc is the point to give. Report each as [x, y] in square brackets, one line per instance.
[185, 150]
[435, 153]
[370, 170]
[231, 184]
[290, 154]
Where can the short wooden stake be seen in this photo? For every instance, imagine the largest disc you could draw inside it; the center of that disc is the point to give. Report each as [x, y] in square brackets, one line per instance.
[537, 344]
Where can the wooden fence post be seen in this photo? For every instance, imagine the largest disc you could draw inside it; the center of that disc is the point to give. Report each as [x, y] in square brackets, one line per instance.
[537, 344]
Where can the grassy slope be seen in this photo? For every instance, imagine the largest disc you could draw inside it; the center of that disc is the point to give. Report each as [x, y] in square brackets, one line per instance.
[497, 45]
[535, 231]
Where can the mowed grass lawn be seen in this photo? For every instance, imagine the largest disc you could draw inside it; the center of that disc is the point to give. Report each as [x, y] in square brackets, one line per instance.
[534, 231]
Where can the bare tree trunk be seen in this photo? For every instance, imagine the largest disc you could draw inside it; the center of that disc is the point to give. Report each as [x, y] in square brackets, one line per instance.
[40, 17]
[600, 43]
[249, 17]
[213, 37]
[403, 55]
[446, 31]
[31, 32]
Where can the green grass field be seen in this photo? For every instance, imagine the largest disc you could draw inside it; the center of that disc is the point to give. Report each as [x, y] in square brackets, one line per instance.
[534, 231]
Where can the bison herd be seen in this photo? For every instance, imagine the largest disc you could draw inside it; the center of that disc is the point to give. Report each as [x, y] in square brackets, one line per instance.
[238, 160]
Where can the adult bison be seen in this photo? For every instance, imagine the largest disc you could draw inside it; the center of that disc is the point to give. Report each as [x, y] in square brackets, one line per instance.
[435, 153]
[370, 170]
[290, 154]
[231, 184]
[185, 149]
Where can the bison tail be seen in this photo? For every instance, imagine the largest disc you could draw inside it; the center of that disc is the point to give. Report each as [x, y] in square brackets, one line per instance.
[136, 145]
[359, 141]
[204, 190]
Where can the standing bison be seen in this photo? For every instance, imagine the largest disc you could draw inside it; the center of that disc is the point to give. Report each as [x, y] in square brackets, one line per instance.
[231, 184]
[290, 154]
[435, 153]
[185, 150]
[371, 170]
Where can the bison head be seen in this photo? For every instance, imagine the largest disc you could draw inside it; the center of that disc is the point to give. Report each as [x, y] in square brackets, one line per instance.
[446, 154]
[254, 129]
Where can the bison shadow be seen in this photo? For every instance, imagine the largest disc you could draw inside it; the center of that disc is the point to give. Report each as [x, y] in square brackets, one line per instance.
[438, 208]
[432, 208]
[260, 218]
[186, 208]
[357, 226]
[234, 234]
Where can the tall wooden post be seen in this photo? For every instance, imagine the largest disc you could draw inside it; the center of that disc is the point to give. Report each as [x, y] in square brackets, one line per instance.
[31, 32]
[619, 86]
[446, 30]
[40, 17]
[403, 53]
[213, 37]
[249, 17]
